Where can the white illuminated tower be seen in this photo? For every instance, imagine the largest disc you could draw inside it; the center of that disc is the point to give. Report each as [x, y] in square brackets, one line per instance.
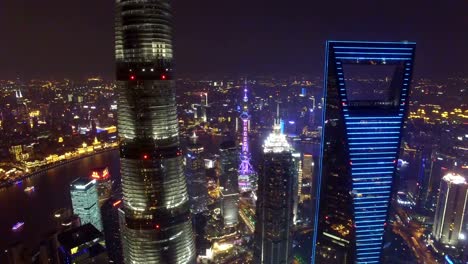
[246, 171]
[449, 219]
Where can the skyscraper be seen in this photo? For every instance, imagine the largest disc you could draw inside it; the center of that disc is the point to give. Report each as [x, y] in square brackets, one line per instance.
[275, 202]
[228, 181]
[104, 183]
[366, 92]
[449, 220]
[308, 179]
[85, 202]
[155, 216]
[196, 177]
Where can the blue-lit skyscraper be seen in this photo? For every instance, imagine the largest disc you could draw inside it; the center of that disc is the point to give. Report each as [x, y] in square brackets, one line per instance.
[85, 201]
[366, 91]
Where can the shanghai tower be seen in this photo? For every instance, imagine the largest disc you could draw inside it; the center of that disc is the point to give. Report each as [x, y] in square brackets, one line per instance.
[155, 217]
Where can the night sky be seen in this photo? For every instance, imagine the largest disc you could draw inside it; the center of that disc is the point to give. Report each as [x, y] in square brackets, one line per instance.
[74, 38]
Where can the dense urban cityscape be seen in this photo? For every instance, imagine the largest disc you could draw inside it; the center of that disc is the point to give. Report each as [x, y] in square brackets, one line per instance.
[364, 162]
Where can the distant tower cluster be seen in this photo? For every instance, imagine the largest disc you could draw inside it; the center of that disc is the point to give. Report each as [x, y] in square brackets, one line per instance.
[246, 171]
[449, 220]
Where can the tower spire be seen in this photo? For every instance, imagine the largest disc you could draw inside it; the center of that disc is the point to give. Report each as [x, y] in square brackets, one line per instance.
[246, 171]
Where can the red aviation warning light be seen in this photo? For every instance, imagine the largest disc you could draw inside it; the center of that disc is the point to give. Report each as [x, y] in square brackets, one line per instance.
[163, 77]
[132, 77]
[145, 156]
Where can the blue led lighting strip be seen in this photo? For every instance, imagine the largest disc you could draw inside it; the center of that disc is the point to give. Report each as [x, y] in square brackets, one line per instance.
[373, 138]
[373, 143]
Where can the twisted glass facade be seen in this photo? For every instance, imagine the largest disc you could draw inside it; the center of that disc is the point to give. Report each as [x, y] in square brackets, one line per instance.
[155, 218]
[367, 86]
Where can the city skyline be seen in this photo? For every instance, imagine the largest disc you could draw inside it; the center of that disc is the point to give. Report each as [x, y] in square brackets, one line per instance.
[301, 133]
[294, 34]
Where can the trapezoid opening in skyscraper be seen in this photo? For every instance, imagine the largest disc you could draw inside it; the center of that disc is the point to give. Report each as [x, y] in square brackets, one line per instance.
[366, 93]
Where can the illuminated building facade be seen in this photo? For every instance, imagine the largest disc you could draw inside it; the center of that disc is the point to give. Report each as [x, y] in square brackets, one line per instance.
[196, 177]
[449, 221]
[307, 187]
[228, 181]
[367, 87]
[104, 183]
[155, 216]
[230, 208]
[85, 202]
[246, 171]
[297, 184]
[440, 165]
[275, 202]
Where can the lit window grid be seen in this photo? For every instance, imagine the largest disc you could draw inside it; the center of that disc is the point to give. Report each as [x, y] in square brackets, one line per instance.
[370, 227]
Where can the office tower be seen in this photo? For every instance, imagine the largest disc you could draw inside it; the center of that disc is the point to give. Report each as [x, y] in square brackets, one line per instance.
[83, 244]
[196, 177]
[275, 202]
[449, 220]
[297, 184]
[112, 236]
[156, 225]
[366, 90]
[230, 208]
[441, 164]
[246, 171]
[104, 183]
[228, 181]
[307, 178]
[84, 197]
[424, 165]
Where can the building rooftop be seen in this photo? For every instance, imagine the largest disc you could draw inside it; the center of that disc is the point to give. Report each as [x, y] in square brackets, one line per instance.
[82, 183]
[79, 236]
[455, 178]
[276, 142]
[228, 144]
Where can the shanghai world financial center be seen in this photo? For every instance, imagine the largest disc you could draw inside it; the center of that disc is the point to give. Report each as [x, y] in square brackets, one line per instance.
[362, 130]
